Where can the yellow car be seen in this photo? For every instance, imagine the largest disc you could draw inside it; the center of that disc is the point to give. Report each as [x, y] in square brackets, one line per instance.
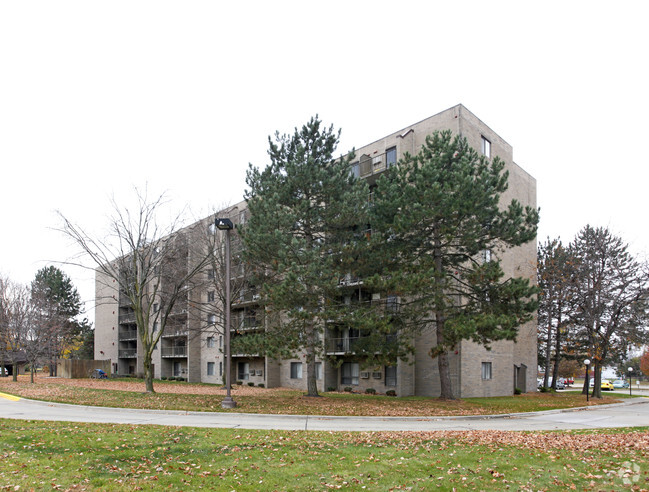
[607, 385]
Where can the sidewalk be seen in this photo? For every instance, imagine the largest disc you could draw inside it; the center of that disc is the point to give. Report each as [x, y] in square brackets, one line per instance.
[632, 413]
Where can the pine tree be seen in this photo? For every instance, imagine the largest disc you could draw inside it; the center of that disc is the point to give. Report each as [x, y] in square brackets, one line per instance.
[555, 284]
[304, 208]
[611, 294]
[438, 227]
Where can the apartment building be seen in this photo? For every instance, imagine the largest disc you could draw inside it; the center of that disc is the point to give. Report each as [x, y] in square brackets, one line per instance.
[192, 346]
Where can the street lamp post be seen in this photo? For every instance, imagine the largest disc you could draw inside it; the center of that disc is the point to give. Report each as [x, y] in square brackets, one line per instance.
[587, 364]
[630, 371]
[226, 225]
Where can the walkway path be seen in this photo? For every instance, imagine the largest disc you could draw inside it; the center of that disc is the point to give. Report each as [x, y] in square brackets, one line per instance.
[632, 413]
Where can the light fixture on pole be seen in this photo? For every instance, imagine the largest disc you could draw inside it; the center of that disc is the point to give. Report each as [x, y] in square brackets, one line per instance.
[630, 371]
[587, 364]
[226, 225]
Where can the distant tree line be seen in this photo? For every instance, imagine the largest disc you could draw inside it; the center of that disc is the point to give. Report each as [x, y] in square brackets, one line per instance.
[593, 303]
[40, 323]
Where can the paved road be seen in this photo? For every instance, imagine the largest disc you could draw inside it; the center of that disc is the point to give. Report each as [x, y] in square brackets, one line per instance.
[632, 413]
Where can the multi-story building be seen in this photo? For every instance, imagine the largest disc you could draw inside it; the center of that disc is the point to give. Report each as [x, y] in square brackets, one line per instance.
[193, 346]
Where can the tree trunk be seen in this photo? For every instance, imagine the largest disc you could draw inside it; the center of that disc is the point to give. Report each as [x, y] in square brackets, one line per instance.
[15, 372]
[557, 355]
[311, 381]
[148, 375]
[597, 377]
[446, 387]
[548, 350]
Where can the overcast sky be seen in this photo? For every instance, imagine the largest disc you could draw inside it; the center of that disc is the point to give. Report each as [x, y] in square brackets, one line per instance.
[97, 98]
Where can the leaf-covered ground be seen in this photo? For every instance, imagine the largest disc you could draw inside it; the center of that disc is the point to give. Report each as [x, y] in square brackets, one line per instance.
[202, 397]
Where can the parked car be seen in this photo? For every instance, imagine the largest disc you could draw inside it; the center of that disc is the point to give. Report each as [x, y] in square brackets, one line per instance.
[620, 383]
[607, 385]
[569, 381]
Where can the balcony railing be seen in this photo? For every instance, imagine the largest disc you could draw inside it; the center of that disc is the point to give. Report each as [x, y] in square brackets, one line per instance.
[127, 354]
[126, 319]
[179, 351]
[343, 345]
[349, 345]
[127, 335]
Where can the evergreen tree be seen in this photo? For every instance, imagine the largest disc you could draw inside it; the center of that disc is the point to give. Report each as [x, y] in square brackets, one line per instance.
[438, 227]
[304, 209]
[57, 304]
[555, 284]
[611, 291]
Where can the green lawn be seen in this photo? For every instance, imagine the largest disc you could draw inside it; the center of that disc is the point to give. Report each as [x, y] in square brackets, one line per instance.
[54, 455]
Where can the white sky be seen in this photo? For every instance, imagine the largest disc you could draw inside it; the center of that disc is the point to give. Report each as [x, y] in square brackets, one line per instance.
[97, 98]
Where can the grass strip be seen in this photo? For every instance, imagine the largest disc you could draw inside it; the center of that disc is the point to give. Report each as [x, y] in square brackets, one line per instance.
[59, 455]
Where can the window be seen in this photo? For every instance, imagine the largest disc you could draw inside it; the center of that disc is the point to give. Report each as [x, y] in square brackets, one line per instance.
[296, 370]
[156, 308]
[210, 296]
[350, 372]
[220, 341]
[210, 342]
[390, 375]
[486, 255]
[242, 217]
[243, 371]
[318, 370]
[486, 370]
[211, 229]
[210, 273]
[220, 368]
[211, 319]
[210, 368]
[391, 157]
[486, 147]
[356, 170]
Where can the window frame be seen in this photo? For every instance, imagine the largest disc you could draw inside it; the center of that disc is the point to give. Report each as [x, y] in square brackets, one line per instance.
[296, 370]
[350, 373]
[487, 371]
[486, 147]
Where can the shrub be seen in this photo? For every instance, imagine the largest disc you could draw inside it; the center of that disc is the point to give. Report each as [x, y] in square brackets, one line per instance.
[348, 389]
[331, 388]
[391, 393]
[180, 379]
[370, 391]
[261, 385]
[251, 384]
[544, 389]
[239, 383]
[163, 378]
[517, 391]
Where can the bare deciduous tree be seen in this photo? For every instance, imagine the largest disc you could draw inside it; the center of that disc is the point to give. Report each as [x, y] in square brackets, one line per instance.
[150, 266]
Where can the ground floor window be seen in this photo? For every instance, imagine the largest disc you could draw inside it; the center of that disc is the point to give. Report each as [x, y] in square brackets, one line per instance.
[349, 373]
[486, 370]
[318, 370]
[210, 368]
[390, 375]
[296, 370]
[243, 372]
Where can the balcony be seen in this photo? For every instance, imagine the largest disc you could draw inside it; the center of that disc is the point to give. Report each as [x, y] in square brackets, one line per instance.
[126, 319]
[343, 345]
[246, 297]
[175, 331]
[177, 351]
[127, 354]
[127, 335]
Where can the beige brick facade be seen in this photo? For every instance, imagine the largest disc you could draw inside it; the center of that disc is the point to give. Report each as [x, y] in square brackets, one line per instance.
[508, 365]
